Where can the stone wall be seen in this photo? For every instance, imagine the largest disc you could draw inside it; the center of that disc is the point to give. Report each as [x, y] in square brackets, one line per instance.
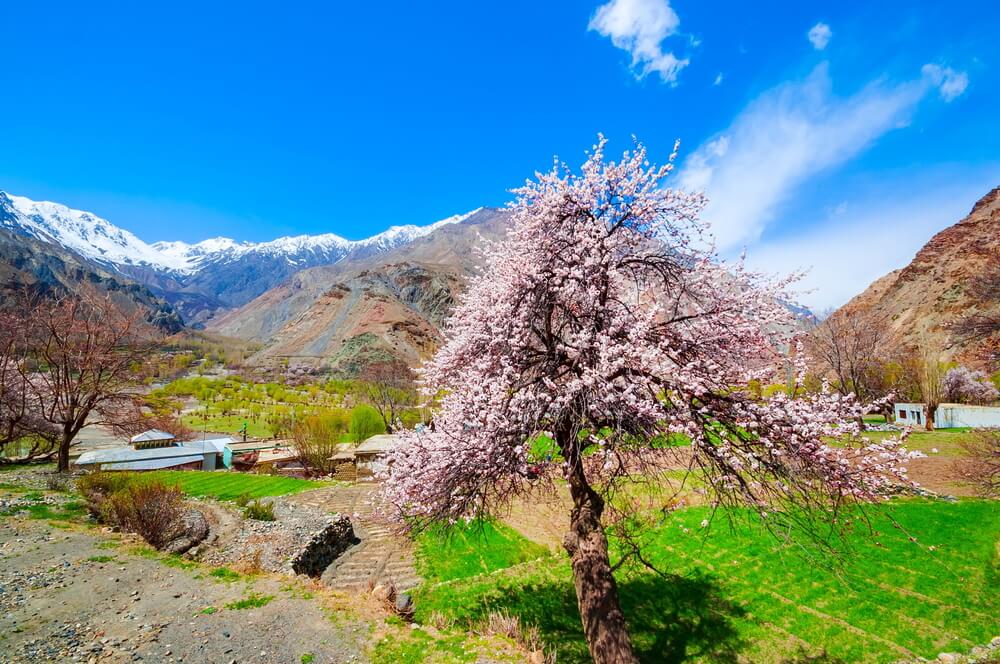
[324, 547]
[346, 472]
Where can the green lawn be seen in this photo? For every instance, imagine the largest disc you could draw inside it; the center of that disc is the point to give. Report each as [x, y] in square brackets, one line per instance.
[946, 441]
[228, 486]
[465, 550]
[729, 595]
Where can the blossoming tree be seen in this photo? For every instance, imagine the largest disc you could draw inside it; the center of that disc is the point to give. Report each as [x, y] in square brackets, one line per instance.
[604, 324]
[968, 386]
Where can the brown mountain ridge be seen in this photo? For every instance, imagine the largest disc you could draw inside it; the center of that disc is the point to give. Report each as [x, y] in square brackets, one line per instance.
[362, 309]
[920, 300]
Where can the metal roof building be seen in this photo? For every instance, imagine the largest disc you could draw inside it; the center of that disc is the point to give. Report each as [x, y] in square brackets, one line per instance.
[199, 455]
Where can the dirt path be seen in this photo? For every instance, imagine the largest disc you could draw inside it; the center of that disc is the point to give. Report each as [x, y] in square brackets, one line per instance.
[66, 597]
[380, 558]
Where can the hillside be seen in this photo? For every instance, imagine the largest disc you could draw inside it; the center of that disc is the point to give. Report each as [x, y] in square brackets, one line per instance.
[367, 307]
[921, 299]
[38, 267]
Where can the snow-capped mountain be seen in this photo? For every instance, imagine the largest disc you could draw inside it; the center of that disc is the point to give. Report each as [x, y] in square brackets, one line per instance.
[100, 240]
[76, 230]
[198, 278]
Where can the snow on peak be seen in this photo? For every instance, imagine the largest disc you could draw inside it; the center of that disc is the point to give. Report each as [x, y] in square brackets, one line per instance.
[83, 232]
[407, 232]
[101, 240]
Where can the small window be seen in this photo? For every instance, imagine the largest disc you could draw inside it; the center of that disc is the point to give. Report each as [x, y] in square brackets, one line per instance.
[917, 414]
[902, 414]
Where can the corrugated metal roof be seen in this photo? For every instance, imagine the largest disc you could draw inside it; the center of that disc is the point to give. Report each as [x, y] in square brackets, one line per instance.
[153, 464]
[129, 454]
[151, 435]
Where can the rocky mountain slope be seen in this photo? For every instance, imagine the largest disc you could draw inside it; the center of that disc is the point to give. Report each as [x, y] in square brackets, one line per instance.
[921, 299]
[32, 266]
[202, 279]
[367, 307]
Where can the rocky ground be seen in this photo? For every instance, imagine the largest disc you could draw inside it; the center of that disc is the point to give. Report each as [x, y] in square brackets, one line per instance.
[261, 545]
[66, 596]
[74, 591]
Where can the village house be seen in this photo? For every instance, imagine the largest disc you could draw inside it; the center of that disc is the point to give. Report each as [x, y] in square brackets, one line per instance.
[367, 459]
[158, 450]
[948, 415]
[258, 455]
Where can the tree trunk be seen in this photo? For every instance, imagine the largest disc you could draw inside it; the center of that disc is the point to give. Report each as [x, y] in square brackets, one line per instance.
[596, 591]
[931, 414]
[63, 456]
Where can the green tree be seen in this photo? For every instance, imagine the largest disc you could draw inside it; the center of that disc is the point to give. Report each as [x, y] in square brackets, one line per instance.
[365, 423]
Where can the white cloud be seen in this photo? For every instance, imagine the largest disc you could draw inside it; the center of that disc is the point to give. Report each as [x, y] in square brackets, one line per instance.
[819, 36]
[781, 139]
[718, 79]
[640, 27]
[858, 243]
[949, 82]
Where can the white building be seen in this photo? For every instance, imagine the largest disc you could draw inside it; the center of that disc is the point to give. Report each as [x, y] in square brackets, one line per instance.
[948, 415]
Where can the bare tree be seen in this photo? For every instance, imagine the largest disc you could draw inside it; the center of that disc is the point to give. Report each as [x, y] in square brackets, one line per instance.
[850, 346]
[931, 378]
[20, 420]
[85, 355]
[389, 387]
[317, 439]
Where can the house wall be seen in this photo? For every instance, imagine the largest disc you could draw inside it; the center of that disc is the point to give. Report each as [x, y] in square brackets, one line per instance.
[370, 465]
[909, 414]
[960, 415]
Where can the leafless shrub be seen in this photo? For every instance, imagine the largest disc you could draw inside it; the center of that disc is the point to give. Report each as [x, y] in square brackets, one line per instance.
[250, 565]
[981, 463]
[438, 620]
[317, 439]
[501, 623]
[97, 488]
[389, 387]
[152, 510]
[56, 482]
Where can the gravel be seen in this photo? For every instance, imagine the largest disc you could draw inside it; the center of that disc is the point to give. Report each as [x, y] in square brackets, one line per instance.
[271, 545]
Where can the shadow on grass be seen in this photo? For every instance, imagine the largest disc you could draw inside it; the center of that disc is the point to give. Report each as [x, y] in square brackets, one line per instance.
[671, 618]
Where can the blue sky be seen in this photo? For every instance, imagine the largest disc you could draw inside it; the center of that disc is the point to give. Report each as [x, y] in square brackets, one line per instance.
[837, 138]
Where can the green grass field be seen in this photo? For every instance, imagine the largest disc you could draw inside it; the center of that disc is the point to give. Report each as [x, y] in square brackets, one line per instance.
[464, 550]
[229, 486]
[738, 594]
[945, 441]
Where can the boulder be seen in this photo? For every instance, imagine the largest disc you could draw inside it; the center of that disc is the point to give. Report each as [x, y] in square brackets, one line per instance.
[404, 605]
[193, 532]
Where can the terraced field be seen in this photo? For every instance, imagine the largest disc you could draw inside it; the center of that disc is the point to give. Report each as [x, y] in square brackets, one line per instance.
[925, 580]
[228, 486]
